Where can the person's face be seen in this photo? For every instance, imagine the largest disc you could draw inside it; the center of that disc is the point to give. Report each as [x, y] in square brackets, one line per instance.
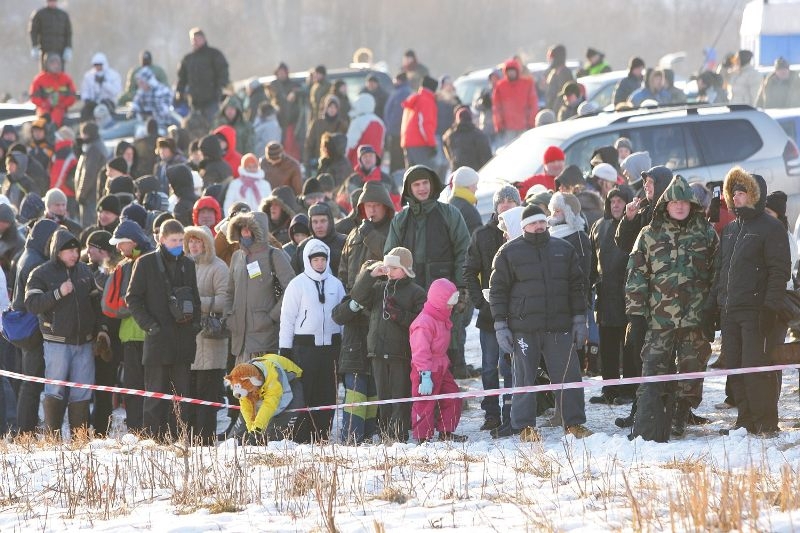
[4, 226]
[275, 211]
[246, 233]
[368, 160]
[319, 225]
[649, 188]
[223, 143]
[617, 207]
[605, 187]
[282, 74]
[58, 208]
[70, 257]
[554, 168]
[98, 67]
[540, 226]
[37, 134]
[112, 173]
[623, 152]
[341, 90]
[569, 99]
[316, 77]
[319, 263]
[299, 237]
[106, 218]
[637, 72]
[332, 110]
[566, 188]
[164, 153]
[374, 211]
[230, 112]
[206, 217]
[126, 248]
[197, 40]
[10, 136]
[679, 209]
[372, 86]
[96, 255]
[656, 83]
[512, 74]
[54, 66]
[11, 166]
[505, 205]
[594, 59]
[171, 241]
[421, 189]
[196, 247]
[767, 210]
[128, 155]
[740, 199]
[395, 273]
[196, 156]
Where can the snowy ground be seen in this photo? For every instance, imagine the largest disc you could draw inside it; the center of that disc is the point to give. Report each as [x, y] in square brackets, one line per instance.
[604, 482]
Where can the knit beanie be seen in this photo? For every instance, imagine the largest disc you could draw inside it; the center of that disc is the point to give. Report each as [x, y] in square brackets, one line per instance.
[464, 177]
[553, 153]
[532, 213]
[506, 192]
[136, 213]
[54, 196]
[109, 203]
[119, 164]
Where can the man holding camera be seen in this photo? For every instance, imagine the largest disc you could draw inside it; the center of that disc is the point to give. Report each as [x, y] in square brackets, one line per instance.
[164, 301]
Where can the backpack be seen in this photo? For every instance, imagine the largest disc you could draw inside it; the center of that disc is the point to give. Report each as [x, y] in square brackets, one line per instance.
[113, 301]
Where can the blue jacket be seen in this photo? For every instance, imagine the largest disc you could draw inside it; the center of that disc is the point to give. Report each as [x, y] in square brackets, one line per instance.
[393, 111]
[35, 254]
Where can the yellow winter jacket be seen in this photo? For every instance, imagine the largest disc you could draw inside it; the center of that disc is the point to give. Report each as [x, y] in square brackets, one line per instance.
[274, 395]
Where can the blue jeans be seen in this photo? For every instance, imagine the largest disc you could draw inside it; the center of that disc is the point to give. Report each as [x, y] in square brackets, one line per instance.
[359, 423]
[68, 362]
[490, 377]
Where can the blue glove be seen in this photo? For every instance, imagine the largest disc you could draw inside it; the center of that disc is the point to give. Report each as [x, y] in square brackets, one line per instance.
[425, 383]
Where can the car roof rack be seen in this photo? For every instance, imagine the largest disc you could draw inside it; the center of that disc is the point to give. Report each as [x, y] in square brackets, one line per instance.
[691, 109]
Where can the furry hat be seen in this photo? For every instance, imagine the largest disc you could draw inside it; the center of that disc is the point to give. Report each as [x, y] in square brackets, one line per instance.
[570, 206]
[245, 380]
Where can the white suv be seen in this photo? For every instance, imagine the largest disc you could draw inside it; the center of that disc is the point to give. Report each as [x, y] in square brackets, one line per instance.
[698, 142]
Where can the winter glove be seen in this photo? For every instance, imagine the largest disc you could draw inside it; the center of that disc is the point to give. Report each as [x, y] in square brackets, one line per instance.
[366, 227]
[580, 332]
[505, 339]
[102, 347]
[463, 299]
[425, 383]
[34, 53]
[154, 330]
[286, 352]
[67, 55]
[355, 306]
[710, 323]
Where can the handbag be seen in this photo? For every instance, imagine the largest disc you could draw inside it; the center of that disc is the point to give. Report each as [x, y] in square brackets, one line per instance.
[276, 283]
[213, 325]
[20, 327]
[180, 300]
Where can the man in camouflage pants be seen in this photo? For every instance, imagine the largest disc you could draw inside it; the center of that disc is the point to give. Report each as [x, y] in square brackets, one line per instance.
[670, 273]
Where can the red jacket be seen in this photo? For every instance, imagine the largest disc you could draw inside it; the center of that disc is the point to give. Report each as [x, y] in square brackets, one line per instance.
[52, 94]
[232, 157]
[539, 179]
[514, 103]
[418, 127]
[372, 135]
[62, 168]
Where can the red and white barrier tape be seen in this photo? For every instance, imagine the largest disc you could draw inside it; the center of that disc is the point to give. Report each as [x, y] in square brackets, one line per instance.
[453, 395]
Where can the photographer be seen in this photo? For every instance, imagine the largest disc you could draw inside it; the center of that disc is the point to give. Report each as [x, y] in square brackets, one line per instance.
[165, 303]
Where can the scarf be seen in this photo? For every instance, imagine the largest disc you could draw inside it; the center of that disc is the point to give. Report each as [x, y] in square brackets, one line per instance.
[562, 231]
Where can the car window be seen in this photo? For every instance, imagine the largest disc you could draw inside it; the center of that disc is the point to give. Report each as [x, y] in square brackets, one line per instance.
[670, 145]
[580, 152]
[604, 94]
[468, 90]
[727, 141]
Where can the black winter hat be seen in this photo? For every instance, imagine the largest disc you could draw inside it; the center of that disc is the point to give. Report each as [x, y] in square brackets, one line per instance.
[160, 219]
[777, 202]
[312, 186]
[110, 203]
[531, 213]
[100, 239]
[430, 83]
[31, 208]
[119, 164]
[299, 224]
[122, 184]
[136, 213]
[570, 177]
[326, 182]
[635, 62]
[6, 214]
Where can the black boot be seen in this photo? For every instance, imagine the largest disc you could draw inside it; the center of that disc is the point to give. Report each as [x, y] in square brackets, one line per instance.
[506, 430]
[680, 417]
[53, 414]
[78, 416]
[626, 422]
[507, 414]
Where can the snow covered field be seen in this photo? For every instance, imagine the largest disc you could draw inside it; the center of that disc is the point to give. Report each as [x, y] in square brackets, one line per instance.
[605, 482]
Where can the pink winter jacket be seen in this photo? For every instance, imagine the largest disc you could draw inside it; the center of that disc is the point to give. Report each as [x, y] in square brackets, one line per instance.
[430, 331]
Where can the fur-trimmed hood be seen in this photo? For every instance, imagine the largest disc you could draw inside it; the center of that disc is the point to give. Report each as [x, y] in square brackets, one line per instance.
[204, 234]
[256, 221]
[285, 197]
[755, 187]
[571, 207]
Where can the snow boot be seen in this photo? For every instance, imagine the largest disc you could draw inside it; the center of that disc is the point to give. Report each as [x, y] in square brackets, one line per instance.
[53, 414]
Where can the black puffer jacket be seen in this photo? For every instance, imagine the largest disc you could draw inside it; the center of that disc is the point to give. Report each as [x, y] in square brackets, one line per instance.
[353, 357]
[212, 168]
[466, 146]
[203, 73]
[180, 179]
[388, 338]
[537, 284]
[609, 267]
[65, 319]
[755, 262]
[34, 254]
[485, 243]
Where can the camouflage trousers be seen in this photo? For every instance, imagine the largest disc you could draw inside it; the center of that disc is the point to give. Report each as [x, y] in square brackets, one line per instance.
[680, 350]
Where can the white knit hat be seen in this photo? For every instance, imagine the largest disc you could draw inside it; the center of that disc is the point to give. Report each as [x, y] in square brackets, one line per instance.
[464, 177]
[605, 172]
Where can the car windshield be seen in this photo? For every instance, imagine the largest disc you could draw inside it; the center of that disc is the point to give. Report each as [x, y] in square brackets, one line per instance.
[519, 160]
[468, 89]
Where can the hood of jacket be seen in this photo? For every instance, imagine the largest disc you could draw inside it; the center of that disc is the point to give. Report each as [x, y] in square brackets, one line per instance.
[512, 64]
[327, 100]
[40, 235]
[204, 234]
[622, 193]
[256, 221]
[677, 190]
[322, 209]
[755, 187]
[236, 103]
[146, 184]
[207, 202]
[285, 197]
[419, 172]
[181, 180]
[374, 191]
[314, 246]
[21, 160]
[211, 148]
[635, 164]
[230, 135]
[299, 222]
[439, 293]
[61, 240]
[364, 104]
[100, 59]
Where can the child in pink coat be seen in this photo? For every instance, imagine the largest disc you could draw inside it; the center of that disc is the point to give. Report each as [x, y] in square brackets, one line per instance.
[430, 337]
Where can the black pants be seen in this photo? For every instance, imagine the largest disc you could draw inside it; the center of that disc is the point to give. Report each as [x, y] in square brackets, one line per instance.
[105, 373]
[29, 392]
[397, 159]
[635, 333]
[393, 380]
[320, 383]
[611, 351]
[206, 385]
[746, 343]
[133, 378]
[159, 416]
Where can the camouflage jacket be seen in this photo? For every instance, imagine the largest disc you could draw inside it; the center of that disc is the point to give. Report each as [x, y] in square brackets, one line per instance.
[671, 267]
